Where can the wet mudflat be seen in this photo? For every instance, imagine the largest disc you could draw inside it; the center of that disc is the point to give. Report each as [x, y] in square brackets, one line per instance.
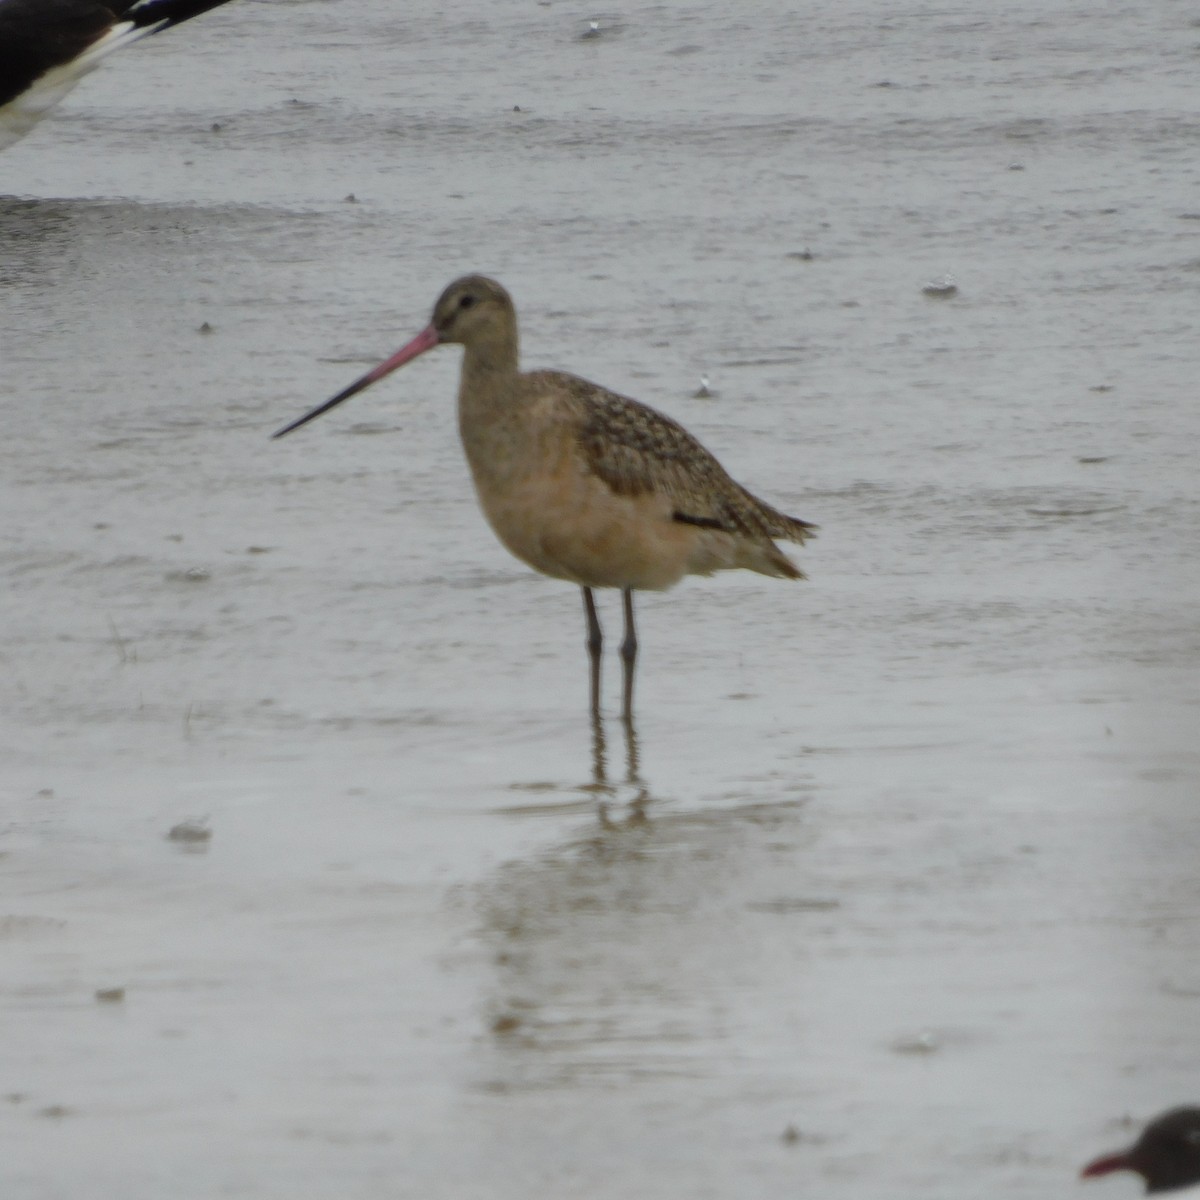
[900, 896]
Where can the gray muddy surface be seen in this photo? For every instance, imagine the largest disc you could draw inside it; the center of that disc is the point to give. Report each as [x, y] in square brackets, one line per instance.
[907, 860]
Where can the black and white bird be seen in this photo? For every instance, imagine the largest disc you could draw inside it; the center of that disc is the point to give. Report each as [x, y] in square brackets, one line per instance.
[47, 46]
[1166, 1155]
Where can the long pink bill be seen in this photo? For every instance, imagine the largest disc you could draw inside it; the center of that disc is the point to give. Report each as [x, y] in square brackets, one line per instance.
[1106, 1165]
[425, 340]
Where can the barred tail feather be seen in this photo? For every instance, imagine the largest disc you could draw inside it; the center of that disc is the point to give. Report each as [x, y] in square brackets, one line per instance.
[778, 524]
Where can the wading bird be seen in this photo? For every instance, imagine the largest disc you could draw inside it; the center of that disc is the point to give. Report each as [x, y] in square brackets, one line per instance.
[583, 484]
[1166, 1155]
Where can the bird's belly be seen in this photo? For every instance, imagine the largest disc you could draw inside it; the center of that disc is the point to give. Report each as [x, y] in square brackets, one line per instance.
[572, 526]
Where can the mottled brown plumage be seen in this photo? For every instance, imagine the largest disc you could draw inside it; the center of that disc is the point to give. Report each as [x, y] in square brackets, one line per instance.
[584, 484]
[636, 449]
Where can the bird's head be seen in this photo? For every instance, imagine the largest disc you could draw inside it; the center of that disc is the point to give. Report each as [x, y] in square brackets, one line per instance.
[474, 310]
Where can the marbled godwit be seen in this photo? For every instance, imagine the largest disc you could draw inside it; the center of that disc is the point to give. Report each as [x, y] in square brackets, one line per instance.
[1166, 1155]
[583, 484]
[47, 46]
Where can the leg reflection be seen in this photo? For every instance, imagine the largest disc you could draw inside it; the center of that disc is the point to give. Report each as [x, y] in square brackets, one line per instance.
[600, 782]
[637, 806]
[631, 753]
[599, 755]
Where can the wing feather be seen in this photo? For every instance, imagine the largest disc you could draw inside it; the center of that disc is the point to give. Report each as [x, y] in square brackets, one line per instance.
[636, 450]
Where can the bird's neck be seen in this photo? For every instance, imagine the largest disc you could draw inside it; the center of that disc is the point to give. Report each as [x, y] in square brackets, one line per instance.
[490, 361]
[491, 411]
[489, 376]
[493, 352]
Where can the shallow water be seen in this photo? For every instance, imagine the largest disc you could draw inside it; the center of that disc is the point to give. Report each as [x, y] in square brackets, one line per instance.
[907, 859]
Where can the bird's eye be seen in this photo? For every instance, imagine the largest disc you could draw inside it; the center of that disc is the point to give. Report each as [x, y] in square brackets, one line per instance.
[466, 302]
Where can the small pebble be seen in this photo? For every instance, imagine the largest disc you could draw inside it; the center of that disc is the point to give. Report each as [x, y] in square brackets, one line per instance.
[703, 392]
[805, 255]
[191, 575]
[941, 289]
[350, 198]
[190, 831]
[110, 995]
[790, 1136]
[205, 328]
[923, 1043]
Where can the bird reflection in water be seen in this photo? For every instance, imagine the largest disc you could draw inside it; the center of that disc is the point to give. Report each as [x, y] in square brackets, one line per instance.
[605, 790]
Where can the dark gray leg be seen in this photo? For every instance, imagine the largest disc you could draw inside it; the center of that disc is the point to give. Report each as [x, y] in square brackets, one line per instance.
[629, 649]
[595, 643]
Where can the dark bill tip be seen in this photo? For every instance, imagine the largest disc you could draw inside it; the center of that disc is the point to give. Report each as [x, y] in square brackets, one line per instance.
[425, 340]
[313, 413]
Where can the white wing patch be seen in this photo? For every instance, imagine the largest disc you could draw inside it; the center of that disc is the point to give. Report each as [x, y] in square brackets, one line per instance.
[19, 116]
